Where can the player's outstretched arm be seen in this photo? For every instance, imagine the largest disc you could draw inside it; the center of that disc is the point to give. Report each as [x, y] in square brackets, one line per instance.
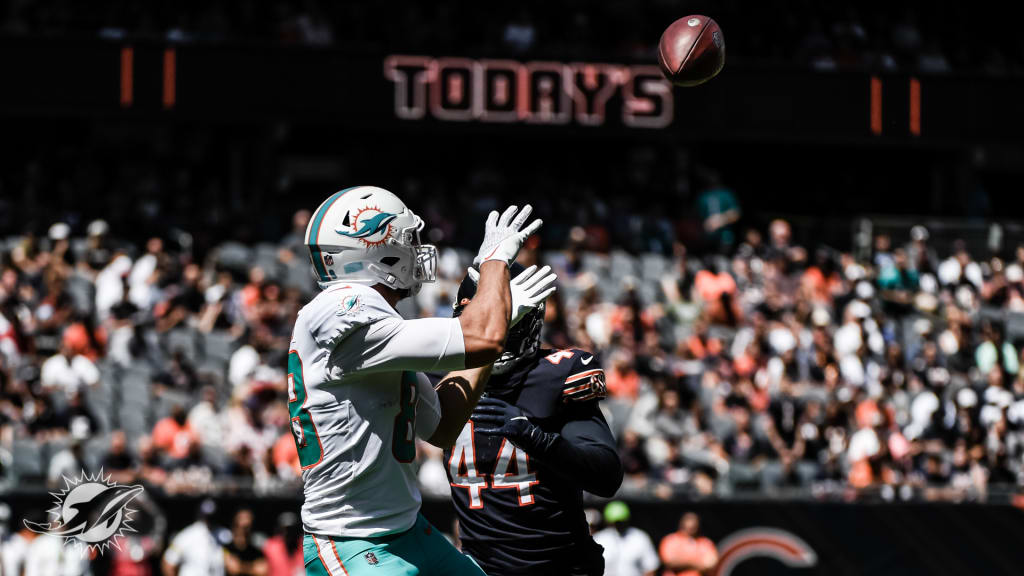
[458, 392]
[583, 451]
[485, 321]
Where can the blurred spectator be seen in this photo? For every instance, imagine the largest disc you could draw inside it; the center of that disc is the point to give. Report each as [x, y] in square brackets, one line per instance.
[769, 366]
[68, 372]
[173, 435]
[283, 550]
[14, 548]
[719, 210]
[241, 556]
[195, 551]
[119, 462]
[68, 463]
[628, 551]
[286, 458]
[31, 554]
[204, 419]
[685, 552]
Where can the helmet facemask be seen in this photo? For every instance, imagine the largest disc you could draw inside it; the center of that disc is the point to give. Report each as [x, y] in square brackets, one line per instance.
[400, 263]
[522, 342]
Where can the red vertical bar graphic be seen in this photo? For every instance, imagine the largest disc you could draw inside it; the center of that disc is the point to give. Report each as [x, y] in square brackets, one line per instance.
[170, 78]
[915, 107]
[876, 105]
[127, 76]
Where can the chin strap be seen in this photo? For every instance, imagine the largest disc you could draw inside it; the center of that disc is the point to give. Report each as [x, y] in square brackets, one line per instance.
[383, 275]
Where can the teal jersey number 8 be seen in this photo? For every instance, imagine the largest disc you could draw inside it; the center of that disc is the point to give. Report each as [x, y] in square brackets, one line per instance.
[307, 441]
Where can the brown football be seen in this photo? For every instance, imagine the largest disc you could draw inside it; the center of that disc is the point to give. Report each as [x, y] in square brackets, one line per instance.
[691, 50]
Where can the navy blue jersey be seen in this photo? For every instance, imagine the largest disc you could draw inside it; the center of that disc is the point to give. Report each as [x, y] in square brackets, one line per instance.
[524, 515]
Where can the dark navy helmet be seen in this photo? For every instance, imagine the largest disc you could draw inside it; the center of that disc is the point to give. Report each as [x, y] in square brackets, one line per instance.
[523, 339]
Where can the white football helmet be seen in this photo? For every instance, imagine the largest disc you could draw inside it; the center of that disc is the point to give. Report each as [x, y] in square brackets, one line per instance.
[366, 235]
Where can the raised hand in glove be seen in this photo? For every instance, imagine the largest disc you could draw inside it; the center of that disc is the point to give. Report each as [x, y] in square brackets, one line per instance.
[530, 288]
[504, 235]
[495, 417]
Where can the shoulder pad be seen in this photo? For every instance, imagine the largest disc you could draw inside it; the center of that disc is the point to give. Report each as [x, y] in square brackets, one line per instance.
[583, 375]
[338, 311]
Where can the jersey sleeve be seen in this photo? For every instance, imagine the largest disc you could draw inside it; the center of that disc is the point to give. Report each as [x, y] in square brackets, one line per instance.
[585, 379]
[428, 408]
[338, 312]
[173, 554]
[395, 344]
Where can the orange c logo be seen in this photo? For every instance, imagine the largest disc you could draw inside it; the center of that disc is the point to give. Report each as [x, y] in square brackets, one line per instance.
[763, 542]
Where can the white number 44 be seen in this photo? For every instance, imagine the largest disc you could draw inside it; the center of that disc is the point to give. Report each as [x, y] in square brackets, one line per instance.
[464, 458]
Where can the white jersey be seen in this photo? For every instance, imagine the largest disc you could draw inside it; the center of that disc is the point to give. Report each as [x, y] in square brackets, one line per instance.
[357, 403]
[195, 552]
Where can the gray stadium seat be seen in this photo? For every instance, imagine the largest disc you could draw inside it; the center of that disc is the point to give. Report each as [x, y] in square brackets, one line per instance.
[622, 264]
[27, 459]
[95, 450]
[136, 390]
[101, 404]
[50, 449]
[234, 256]
[219, 344]
[133, 421]
[82, 293]
[653, 267]
[1014, 326]
[167, 399]
[185, 339]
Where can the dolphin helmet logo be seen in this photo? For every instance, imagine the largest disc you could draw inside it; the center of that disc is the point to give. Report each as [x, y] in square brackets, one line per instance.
[369, 223]
[91, 512]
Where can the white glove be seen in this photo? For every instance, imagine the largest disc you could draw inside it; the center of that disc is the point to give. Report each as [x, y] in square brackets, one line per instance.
[503, 237]
[529, 290]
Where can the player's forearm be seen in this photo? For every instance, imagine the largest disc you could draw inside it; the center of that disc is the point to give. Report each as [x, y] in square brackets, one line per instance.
[485, 320]
[457, 394]
[586, 456]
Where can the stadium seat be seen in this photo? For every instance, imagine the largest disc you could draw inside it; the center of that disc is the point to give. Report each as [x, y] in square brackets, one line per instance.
[653, 267]
[184, 339]
[82, 293]
[101, 405]
[95, 451]
[265, 256]
[133, 421]
[51, 448]
[136, 390]
[218, 344]
[27, 459]
[169, 398]
[234, 256]
[1014, 326]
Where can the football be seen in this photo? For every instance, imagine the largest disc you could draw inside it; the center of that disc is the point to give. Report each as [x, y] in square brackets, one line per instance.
[691, 50]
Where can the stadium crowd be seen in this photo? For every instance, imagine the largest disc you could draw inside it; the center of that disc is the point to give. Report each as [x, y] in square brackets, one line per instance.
[759, 367]
[912, 36]
[762, 367]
